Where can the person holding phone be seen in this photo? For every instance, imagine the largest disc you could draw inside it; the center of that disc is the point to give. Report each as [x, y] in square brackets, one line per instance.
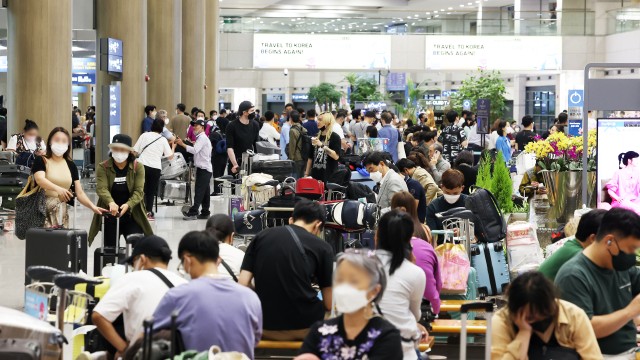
[437, 164]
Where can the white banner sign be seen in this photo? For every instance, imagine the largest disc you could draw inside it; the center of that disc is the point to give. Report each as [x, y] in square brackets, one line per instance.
[297, 51]
[493, 52]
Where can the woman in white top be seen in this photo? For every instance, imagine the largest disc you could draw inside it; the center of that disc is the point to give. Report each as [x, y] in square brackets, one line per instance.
[268, 130]
[400, 304]
[493, 137]
[221, 227]
[151, 146]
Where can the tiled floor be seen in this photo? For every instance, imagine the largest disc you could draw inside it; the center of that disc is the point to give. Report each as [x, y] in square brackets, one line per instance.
[168, 224]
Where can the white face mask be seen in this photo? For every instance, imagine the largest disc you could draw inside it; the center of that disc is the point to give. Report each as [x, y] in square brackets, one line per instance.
[120, 157]
[30, 139]
[200, 118]
[376, 176]
[59, 148]
[215, 117]
[153, 114]
[166, 121]
[349, 299]
[451, 199]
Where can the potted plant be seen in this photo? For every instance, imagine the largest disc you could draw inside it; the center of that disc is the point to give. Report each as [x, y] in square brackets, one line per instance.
[559, 166]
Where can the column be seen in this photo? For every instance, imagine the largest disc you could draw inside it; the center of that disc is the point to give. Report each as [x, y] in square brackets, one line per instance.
[125, 20]
[519, 97]
[193, 55]
[84, 99]
[212, 55]
[39, 62]
[163, 53]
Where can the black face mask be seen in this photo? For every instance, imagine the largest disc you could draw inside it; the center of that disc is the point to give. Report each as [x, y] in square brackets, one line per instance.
[252, 116]
[623, 261]
[322, 128]
[542, 325]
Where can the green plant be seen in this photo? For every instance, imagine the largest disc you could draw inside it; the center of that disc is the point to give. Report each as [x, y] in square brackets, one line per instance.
[362, 89]
[484, 173]
[325, 94]
[483, 85]
[521, 209]
[501, 184]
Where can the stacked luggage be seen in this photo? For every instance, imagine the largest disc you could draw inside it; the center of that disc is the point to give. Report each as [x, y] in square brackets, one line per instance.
[12, 179]
[175, 179]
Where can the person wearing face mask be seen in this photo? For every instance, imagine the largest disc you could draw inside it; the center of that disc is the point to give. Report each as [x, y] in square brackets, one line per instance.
[410, 169]
[179, 124]
[136, 295]
[535, 324]
[150, 115]
[381, 173]
[325, 150]
[56, 173]
[201, 151]
[406, 282]
[221, 227]
[242, 135]
[604, 281]
[212, 309]
[452, 187]
[285, 261]
[166, 133]
[191, 134]
[359, 284]
[150, 148]
[27, 145]
[120, 188]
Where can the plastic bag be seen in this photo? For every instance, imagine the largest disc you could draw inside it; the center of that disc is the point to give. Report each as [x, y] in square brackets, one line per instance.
[454, 267]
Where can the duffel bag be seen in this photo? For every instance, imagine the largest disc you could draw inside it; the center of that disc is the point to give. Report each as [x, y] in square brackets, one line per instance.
[248, 222]
[347, 215]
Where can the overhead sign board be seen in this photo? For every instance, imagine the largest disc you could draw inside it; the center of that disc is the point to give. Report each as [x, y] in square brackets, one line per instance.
[575, 111]
[301, 51]
[396, 81]
[300, 97]
[493, 52]
[83, 79]
[111, 55]
[275, 97]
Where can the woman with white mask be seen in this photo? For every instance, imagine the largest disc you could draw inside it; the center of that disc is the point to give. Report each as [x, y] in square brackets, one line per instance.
[120, 188]
[359, 332]
[56, 173]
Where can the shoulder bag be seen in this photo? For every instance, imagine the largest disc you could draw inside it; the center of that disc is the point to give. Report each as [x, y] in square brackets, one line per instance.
[30, 208]
[149, 144]
[296, 239]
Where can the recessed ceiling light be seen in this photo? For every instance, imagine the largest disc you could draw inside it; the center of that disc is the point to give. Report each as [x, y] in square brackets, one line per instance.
[437, 16]
[442, 10]
[281, 23]
[412, 24]
[448, 13]
[409, 17]
[375, 27]
[339, 19]
[461, 5]
[363, 24]
[429, 18]
[450, 8]
[258, 18]
[428, 13]
[261, 22]
[435, 12]
[469, 3]
[416, 15]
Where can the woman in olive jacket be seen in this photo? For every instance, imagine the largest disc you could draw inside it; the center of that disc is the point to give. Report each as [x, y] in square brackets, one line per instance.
[120, 188]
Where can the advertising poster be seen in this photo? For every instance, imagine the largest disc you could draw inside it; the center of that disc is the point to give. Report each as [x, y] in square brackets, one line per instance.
[299, 51]
[493, 52]
[36, 304]
[366, 145]
[483, 110]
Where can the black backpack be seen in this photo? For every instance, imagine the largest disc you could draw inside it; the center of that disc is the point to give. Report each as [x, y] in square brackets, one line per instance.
[490, 225]
[218, 141]
[304, 144]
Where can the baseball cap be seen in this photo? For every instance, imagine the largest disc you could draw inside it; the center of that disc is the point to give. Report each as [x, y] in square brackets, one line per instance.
[198, 122]
[152, 246]
[244, 106]
[121, 141]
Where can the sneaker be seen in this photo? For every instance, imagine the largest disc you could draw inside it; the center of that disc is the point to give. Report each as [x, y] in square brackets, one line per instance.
[190, 217]
[204, 216]
[150, 216]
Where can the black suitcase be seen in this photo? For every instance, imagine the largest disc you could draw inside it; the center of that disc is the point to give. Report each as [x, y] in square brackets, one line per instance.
[62, 249]
[13, 170]
[11, 181]
[19, 349]
[108, 255]
[279, 169]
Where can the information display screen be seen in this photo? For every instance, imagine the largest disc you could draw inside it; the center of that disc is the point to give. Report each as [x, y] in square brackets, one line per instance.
[616, 138]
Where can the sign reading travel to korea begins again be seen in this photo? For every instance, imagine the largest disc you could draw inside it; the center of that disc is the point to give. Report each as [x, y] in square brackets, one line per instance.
[297, 51]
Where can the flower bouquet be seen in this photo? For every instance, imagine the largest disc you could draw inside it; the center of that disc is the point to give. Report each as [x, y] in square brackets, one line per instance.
[560, 152]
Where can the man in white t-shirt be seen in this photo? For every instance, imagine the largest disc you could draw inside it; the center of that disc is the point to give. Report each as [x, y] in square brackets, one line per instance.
[268, 130]
[137, 294]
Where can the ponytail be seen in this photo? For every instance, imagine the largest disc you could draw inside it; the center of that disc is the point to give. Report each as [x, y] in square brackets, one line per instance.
[395, 230]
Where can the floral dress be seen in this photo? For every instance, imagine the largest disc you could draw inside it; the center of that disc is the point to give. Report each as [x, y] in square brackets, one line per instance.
[378, 340]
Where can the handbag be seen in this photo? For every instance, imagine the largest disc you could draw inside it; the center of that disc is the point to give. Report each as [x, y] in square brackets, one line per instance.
[30, 208]
[454, 264]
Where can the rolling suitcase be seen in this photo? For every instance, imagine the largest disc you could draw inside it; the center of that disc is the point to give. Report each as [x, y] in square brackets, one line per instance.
[279, 169]
[12, 181]
[19, 349]
[172, 169]
[310, 188]
[13, 170]
[265, 147]
[7, 157]
[172, 189]
[21, 333]
[490, 262]
[487, 308]
[8, 194]
[108, 255]
[62, 249]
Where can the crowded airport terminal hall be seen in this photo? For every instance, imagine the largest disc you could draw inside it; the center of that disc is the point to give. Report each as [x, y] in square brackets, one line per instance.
[319, 180]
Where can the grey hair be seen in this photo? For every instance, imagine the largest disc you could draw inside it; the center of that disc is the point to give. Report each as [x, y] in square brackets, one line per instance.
[367, 260]
[437, 147]
[161, 114]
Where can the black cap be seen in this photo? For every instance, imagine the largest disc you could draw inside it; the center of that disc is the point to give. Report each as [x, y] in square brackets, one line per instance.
[152, 246]
[198, 122]
[121, 140]
[244, 106]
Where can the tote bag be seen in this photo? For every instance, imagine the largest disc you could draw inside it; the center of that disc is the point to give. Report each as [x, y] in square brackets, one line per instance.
[454, 267]
[30, 208]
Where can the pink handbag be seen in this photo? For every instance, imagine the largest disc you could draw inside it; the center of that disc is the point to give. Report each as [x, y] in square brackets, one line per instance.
[454, 268]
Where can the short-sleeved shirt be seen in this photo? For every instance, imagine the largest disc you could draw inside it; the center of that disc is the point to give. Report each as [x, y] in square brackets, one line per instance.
[451, 139]
[283, 279]
[213, 310]
[155, 146]
[322, 164]
[241, 137]
[600, 291]
[377, 341]
[136, 296]
[63, 174]
[524, 137]
[25, 145]
[416, 189]
[550, 266]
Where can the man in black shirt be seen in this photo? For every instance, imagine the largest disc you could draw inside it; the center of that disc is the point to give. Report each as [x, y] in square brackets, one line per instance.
[242, 135]
[284, 267]
[452, 186]
[527, 135]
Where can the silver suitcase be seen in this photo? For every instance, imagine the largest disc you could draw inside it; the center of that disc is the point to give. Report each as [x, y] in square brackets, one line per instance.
[172, 189]
[267, 148]
[18, 325]
[172, 169]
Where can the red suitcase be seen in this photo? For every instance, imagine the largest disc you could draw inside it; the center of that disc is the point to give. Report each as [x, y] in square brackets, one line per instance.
[310, 188]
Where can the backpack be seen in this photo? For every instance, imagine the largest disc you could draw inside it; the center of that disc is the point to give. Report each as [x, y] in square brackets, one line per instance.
[489, 225]
[304, 144]
[218, 141]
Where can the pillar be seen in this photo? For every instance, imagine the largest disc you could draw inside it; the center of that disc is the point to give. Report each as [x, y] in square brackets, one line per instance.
[163, 53]
[193, 52]
[84, 99]
[125, 20]
[39, 62]
[212, 55]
